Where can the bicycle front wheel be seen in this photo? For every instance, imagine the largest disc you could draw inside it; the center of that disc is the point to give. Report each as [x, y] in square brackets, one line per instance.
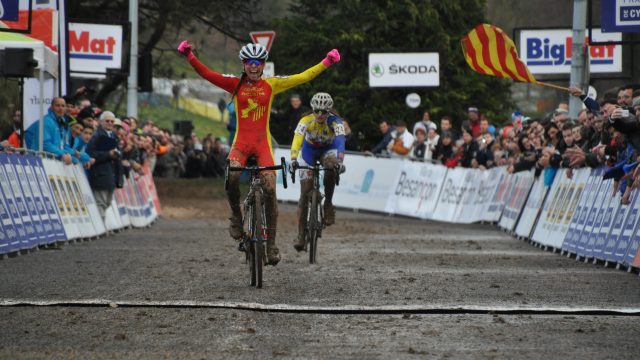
[313, 225]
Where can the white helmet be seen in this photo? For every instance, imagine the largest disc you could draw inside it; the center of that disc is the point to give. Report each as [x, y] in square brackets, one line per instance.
[253, 51]
[321, 101]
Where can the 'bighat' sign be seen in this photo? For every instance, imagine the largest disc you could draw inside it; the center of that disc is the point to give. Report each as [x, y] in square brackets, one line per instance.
[94, 48]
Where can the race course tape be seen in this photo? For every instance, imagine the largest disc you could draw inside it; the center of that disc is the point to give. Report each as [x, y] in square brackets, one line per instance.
[345, 309]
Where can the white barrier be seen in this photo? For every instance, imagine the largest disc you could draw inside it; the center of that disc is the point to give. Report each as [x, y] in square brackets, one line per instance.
[43, 201]
[515, 199]
[416, 190]
[578, 214]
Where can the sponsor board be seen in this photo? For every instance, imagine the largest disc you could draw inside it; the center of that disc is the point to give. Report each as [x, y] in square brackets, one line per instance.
[416, 190]
[404, 69]
[549, 51]
[94, 48]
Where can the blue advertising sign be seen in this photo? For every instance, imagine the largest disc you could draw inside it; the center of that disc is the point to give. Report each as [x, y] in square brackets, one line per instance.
[620, 16]
[9, 10]
[12, 220]
[625, 237]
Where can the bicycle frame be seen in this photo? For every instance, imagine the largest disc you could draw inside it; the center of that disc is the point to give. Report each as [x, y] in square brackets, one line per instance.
[314, 223]
[255, 217]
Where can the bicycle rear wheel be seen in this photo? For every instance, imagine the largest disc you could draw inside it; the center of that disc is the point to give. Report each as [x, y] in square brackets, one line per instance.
[313, 225]
[258, 243]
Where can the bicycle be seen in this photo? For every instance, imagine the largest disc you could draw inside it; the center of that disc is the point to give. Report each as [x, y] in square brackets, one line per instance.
[254, 218]
[315, 215]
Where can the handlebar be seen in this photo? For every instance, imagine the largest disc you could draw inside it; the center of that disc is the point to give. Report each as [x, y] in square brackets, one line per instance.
[282, 167]
[335, 169]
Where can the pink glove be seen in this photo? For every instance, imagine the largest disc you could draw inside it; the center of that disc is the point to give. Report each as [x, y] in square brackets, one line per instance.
[333, 57]
[186, 50]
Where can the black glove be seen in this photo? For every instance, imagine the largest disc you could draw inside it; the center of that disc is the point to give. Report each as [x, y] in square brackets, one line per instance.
[293, 166]
[342, 168]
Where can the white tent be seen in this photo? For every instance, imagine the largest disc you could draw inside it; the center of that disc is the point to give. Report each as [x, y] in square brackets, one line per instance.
[39, 91]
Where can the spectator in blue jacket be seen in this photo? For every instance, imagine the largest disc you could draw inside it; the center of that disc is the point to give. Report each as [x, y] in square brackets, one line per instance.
[381, 147]
[56, 134]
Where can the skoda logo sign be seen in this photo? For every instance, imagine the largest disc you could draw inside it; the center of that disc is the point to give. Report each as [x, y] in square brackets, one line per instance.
[377, 70]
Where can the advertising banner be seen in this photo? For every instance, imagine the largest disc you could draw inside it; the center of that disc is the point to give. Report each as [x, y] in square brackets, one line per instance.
[587, 236]
[454, 190]
[516, 199]
[611, 205]
[549, 52]
[368, 184]
[481, 187]
[619, 220]
[122, 201]
[9, 10]
[112, 218]
[404, 69]
[11, 218]
[494, 211]
[532, 209]
[45, 227]
[50, 201]
[55, 173]
[628, 232]
[620, 15]
[31, 238]
[554, 221]
[593, 204]
[579, 219]
[416, 192]
[88, 201]
[23, 183]
[94, 48]
[632, 252]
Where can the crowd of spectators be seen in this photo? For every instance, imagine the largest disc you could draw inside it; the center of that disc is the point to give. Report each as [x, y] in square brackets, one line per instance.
[606, 132]
[112, 149]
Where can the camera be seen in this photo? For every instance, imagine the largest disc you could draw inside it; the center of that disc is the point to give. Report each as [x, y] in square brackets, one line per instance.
[625, 113]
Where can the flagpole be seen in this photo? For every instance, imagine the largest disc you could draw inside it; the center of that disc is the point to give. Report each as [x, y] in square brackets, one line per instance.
[553, 86]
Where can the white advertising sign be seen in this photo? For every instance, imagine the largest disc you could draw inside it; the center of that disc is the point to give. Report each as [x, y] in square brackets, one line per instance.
[404, 69]
[453, 191]
[531, 209]
[549, 52]
[416, 190]
[32, 99]
[94, 48]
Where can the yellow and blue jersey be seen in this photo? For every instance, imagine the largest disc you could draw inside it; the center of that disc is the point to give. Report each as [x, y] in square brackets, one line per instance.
[313, 138]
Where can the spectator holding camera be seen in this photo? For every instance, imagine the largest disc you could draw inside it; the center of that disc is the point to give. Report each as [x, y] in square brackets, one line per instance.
[105, 174]
[401, 141]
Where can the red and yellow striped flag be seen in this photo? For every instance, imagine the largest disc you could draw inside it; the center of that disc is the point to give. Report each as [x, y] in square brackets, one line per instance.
[488, 50]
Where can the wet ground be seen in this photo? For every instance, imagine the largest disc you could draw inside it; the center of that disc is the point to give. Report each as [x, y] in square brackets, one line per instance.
[384, 287]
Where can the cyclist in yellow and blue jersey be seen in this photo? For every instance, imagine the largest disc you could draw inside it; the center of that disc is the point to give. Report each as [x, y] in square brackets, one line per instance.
[318, 136]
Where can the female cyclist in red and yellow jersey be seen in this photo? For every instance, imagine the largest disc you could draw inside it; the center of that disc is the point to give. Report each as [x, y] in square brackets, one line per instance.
[252, 96]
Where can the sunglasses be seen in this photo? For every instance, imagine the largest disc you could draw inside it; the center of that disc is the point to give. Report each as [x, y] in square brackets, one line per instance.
[321, 112]
[253, 62]
[110, 121]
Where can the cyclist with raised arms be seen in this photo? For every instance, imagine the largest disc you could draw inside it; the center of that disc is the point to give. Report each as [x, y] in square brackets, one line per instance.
[252, 96]
[318, 136]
